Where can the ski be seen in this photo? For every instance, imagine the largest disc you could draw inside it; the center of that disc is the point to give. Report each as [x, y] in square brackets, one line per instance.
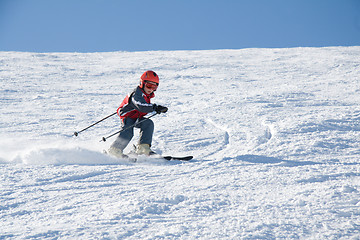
[133, 157]
[169, 158]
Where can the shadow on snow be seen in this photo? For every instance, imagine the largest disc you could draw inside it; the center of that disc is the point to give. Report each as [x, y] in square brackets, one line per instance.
[271, 160]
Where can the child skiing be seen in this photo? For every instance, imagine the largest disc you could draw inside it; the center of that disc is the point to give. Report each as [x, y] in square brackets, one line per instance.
[132, 110]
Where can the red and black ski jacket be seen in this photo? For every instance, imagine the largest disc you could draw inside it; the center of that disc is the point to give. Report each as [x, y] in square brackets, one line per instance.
[136, 104]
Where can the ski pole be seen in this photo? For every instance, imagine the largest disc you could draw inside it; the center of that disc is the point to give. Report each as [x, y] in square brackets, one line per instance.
[77, 133]
[104, 138]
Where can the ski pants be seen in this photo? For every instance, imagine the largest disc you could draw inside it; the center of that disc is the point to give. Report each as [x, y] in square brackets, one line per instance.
[146, 132]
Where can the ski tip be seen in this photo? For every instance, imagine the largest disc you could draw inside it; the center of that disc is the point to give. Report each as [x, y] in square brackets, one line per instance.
[187, 158]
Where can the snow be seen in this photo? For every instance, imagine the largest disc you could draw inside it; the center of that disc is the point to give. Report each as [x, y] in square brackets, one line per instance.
[274, 133]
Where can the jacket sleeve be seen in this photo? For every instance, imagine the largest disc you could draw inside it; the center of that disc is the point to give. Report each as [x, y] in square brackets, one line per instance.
[140, 104]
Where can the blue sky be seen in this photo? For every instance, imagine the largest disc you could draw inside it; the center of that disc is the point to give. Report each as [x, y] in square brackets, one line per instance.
[140, 25]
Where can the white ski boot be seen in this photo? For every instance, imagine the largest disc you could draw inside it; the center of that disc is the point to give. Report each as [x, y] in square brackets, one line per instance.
[116, 152]
[144, 149]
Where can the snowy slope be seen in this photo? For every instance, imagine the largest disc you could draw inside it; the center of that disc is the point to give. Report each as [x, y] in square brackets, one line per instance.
[275, 134]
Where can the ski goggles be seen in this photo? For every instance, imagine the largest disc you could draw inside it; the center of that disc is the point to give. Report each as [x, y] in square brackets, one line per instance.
[151, 85]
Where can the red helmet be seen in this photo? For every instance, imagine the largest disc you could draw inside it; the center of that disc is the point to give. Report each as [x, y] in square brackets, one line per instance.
[150, 76]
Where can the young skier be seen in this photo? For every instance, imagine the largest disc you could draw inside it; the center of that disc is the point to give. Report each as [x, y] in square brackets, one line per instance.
[132, 110]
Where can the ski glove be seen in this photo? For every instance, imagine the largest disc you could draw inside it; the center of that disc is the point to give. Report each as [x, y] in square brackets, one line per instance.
[160, 109]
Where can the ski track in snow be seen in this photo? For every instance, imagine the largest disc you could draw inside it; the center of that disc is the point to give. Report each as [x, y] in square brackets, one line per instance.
[275, 134]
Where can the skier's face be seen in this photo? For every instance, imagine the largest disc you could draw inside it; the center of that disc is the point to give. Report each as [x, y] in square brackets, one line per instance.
[150, 87]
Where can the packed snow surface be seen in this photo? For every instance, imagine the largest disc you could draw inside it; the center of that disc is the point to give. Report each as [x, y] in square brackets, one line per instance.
[275, 135]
